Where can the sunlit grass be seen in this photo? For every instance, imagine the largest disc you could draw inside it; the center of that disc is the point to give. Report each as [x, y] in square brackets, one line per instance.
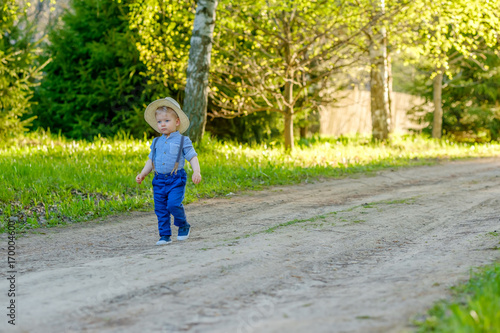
[475, 306]
[49, 180]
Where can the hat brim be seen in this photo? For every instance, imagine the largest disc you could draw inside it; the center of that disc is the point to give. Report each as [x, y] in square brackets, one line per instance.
[150, 115]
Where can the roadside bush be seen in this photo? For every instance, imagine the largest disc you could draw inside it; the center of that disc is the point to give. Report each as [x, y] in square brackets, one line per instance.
[473, 124]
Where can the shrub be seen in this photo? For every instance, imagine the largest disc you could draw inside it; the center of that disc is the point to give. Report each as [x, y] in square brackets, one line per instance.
[17, 70]
[93, 84]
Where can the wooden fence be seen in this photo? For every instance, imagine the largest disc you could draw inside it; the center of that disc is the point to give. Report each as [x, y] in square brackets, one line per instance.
[351, 114]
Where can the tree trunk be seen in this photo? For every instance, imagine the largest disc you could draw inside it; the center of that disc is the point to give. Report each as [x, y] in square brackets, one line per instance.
[379, 94]
[196, 99]
[437, 125]
[289, 116]
[289, 131]
[379, 84]
[304, 128]
[392, 114]
[303, 132]
[288, 97]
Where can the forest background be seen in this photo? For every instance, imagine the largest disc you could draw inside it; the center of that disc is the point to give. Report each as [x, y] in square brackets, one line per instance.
[88, 68]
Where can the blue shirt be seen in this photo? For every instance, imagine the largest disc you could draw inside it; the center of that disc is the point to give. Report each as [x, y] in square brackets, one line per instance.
[167, 150]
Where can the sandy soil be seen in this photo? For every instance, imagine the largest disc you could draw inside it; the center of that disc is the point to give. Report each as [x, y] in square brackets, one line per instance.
[362, 254]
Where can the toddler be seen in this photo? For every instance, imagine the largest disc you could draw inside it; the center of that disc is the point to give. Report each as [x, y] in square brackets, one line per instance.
[166, 159]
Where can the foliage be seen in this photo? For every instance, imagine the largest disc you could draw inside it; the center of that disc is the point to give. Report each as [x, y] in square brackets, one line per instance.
[254, 128]
[17, 72]
[164, 29]
[446, 37]
[438, 32]
[95, 83]
[49, 180]
[471, 101]
[280, 56]
[261, 45]
[112, 57]
[475, 306]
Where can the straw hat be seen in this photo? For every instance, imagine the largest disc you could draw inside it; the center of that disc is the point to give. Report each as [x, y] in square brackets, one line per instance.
[150, 115]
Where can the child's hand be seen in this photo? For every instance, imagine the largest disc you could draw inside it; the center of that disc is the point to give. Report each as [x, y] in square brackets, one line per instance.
[139, 178]
[196, 177]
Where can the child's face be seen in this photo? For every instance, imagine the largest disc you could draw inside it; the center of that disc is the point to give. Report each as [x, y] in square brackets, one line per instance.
[167, 122]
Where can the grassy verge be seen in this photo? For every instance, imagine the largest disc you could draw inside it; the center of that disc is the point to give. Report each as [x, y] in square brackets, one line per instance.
[47, 180]
[475, 306]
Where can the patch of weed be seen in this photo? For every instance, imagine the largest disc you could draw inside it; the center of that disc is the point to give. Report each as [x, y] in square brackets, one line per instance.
[474, 306]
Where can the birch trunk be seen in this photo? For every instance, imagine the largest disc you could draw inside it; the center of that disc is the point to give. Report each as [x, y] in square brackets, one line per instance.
[379, 89]
[437, 125]
[196, 99]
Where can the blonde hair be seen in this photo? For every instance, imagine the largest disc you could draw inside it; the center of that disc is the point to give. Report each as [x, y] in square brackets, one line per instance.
[166, 109]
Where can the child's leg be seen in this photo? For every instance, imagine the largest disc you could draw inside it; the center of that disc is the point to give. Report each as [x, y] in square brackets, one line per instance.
[174, 202]
[161, 207]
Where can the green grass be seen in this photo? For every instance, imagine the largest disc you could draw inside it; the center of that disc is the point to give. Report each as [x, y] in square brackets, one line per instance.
[47, 180]
[475, 306]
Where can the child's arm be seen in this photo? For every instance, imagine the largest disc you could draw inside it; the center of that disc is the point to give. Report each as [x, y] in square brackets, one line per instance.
[195, 164]
[145, 171]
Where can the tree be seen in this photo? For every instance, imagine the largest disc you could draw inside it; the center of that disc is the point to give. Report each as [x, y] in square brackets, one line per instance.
[196, 93]
[164, 29]
[94, 83]
[388, 31]
[18, 74]
[43, 14]
[430, 29]
[470, 100]
[379, 73]
[273, 55]
[448, 31]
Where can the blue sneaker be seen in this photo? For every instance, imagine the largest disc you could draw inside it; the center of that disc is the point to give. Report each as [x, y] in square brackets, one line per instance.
[164, 240]
[183, 233]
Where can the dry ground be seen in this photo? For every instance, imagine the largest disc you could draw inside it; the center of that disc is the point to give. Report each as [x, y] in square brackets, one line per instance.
[362, 254]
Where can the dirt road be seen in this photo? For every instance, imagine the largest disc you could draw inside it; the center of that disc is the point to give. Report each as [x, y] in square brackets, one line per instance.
[360, 254]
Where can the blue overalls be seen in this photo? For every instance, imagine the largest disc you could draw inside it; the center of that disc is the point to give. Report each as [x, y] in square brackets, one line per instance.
[169, 185]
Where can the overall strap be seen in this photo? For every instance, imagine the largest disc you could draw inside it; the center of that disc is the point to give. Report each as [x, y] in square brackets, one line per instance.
[179, 153]
[154, 153]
